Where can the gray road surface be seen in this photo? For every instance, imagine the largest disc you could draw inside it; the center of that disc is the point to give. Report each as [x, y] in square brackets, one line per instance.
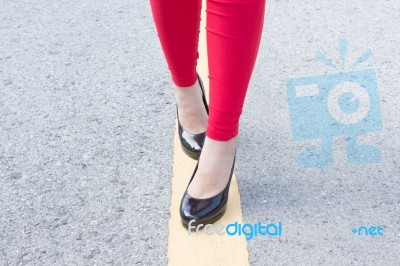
[87, 122]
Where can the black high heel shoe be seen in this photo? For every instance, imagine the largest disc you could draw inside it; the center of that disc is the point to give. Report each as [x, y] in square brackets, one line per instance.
[204, 211]
[192, 144]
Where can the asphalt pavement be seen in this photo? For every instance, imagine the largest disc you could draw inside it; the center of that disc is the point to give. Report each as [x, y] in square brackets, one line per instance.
[87, 121]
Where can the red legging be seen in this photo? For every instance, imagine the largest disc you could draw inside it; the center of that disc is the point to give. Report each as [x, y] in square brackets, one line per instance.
[233, 35]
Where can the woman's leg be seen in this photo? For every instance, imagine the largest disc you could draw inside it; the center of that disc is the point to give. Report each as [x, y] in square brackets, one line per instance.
[233, 35]
[178, 25]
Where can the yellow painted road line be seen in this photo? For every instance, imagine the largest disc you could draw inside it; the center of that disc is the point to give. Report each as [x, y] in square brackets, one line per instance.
[202, 249]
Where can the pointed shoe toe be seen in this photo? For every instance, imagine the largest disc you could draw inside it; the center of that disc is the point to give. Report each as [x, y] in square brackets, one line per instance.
[195, 211]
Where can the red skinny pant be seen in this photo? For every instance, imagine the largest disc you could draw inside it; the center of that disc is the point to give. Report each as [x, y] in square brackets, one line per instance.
[233, 35]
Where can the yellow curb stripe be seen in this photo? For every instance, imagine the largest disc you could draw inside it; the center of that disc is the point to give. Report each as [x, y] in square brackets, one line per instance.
[202, 249]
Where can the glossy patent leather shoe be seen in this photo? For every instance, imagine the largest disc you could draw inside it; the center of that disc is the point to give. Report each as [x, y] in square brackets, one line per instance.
[192, 144]
[195, 211]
